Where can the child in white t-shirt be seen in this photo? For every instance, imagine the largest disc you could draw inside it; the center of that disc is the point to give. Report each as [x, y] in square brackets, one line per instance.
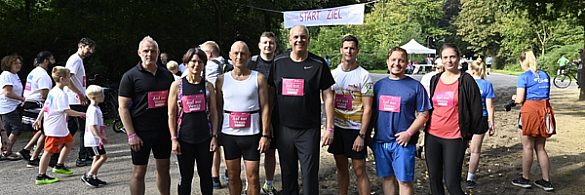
[95, 135]
[58, 139]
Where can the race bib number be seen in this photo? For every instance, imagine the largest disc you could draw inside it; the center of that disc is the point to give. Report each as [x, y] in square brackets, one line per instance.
[239, 119]
[443, 98]
[389, 103]
[157, 99]
[193, 103]
[293, 87]
[343, 102]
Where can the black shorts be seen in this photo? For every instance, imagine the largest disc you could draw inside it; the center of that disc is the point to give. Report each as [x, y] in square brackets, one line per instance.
[157, 141]
[562, 67]
[483, 126]
[343, 140]
[95, 151]
[236, 146]
[488, 65]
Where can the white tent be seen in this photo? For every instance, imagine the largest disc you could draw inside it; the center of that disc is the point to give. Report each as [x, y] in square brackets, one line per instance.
[413, 47]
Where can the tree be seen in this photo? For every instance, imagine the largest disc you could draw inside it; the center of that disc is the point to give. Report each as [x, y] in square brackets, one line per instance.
[478, 24]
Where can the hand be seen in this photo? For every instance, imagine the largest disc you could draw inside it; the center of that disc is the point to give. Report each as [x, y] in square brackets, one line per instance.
[213, 144]
[513, 97]
[37, 125]
[105, 140]
[264, 144]
[82, 99]
[176, 147]
[327, 138]
[358, 144]
[402, 138]
[492, 131]
[135, 143]
[5, 142]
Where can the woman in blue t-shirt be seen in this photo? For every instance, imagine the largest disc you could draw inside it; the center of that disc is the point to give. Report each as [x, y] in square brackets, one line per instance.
[478, 70]
[532, 91]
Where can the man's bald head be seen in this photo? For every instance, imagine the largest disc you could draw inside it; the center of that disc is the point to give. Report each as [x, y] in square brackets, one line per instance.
[240, 53]
[238, 44]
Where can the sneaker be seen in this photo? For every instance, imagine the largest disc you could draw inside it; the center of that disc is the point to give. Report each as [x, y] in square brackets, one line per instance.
[33, 163]
[10, 156]
[546, 185]
[100, 181]
[83, 162]
[45, 180]
[470, 184]
[89, 181]
[265, 190]
[62, 170]
[217, 185]
[521, 182]
[24, 154]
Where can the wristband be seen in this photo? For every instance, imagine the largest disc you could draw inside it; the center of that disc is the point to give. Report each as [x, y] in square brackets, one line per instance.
[409, 133]
[330, 129]
[23, 98]
[174, 138]
[491, 127]
[131, 136]
[267, 136]
[79, 94]
[215, 135]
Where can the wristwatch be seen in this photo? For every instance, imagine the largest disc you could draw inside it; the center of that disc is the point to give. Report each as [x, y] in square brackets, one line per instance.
[215, 135]
[267, 136]
[363, 136]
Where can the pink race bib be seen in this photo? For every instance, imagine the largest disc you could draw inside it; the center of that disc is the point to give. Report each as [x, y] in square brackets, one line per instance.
[389, 103]
[27, 86]
[443, 98]
[103, 130]
[193, 103]
[293, 87]
[239, 119]
[343, 102]
[157, 99]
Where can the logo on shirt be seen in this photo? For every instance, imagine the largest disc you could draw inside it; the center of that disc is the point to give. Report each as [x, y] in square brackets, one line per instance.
[308, 67]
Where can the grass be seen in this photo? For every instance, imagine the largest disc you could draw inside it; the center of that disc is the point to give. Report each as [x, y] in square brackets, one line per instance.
[508, 72]
[379, 71]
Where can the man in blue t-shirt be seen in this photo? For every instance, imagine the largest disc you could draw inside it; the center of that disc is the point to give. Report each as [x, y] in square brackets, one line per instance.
[399, 115]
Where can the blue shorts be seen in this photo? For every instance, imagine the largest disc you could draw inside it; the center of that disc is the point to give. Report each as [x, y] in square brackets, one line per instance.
[393, 159]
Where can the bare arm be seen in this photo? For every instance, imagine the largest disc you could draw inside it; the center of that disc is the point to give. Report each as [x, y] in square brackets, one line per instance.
[359, 142]
[213, 115]
[7, 90]
[265, 107]
[70, 112]
[329, 111]
[44, 93]
[72, 87]
[520, 95]
[489, 104]
[172, 112]
[135, 142]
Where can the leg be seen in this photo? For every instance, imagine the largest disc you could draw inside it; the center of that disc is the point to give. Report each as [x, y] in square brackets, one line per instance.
[13, 139]
[475, 148]
[434, 158]
[137, 181]
[163, 177]
[44, 162]
[309, 154]
[406, 188]
[542, 156]
[389, 185]
[97, 163]
[204, 160]
[342, 173]
[453, 155]
[527, 155]
[252, 177]
[65, 152]
[40, 145]
[234, 169]
[33, 141]
[269, 164]
[216, 163]
[186, 162]
[289, 165]
[363, 182]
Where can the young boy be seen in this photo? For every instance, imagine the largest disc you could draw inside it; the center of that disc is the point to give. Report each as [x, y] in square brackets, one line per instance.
[95, 135]
[55, 113]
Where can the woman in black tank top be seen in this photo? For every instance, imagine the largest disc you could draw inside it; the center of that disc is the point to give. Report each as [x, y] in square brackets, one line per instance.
[193, 123]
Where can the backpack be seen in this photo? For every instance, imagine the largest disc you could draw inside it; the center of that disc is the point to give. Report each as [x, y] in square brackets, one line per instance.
[253, 63]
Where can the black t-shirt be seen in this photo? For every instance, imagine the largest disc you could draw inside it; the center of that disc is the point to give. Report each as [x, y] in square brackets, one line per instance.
[195, 126]
[299, 109]
[258, 64]
[136, 84]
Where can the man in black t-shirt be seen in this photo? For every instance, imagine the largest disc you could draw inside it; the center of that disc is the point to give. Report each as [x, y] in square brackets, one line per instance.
[298, 78]
[146, 86]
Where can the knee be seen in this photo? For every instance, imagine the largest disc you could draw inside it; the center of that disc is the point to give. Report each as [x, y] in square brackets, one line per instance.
[138, 172]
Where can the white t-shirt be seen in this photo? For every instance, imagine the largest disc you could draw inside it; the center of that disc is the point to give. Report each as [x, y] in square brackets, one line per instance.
[54, 118]
[426, 81]
[75, 65]
[8, 104]
[182, 68]
[354, 84]
[93, 117]
[36, 80]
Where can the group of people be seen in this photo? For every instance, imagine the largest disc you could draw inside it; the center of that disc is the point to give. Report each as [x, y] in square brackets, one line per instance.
[268, 102]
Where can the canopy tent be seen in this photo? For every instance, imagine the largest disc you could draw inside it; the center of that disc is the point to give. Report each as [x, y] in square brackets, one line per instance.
[413, 47]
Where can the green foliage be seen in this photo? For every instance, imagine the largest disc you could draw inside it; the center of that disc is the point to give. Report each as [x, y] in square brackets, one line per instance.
[548, 62]
[477, 23]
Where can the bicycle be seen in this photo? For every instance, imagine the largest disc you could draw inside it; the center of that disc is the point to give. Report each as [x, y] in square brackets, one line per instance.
[110, 105]
[564, 79]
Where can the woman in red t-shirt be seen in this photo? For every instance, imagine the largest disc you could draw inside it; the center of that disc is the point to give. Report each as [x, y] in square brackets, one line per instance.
[457, 111]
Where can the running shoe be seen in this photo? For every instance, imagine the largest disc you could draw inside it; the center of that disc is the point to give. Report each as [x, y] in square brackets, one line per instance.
[89, 181]
[545, 185]
[217, 185]
[264, 190]
[24, 154]
[62, 170]
[521, 182]
[100, 181]
[45, 180]
[83, 162]
[470, 184]
[10, 156]
[33, 163]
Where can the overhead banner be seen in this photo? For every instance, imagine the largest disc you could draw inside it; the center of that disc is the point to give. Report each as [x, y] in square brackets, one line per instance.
[351, 14]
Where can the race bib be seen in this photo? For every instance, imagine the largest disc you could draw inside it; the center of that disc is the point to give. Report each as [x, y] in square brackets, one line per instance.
[193, 103]
[443, 98]
[389, 103]
[102, 130]
[157, 99]
[239, 119]
[27, 86]
[293, 87]
[343, 102]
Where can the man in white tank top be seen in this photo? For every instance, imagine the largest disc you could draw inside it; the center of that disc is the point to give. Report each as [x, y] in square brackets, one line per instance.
[243, 96]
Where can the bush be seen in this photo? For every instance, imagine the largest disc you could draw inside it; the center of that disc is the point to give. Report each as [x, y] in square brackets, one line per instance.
[548, 62]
